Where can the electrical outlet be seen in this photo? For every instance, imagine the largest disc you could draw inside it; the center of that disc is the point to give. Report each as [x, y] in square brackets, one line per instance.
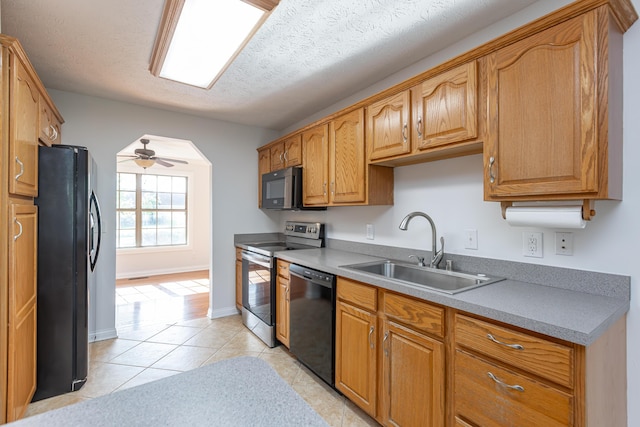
[370, 231]
[532, 244]
[564, 243]
[471, 239]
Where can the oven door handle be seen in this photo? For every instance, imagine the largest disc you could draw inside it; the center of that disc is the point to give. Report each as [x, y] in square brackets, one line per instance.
[262, 260]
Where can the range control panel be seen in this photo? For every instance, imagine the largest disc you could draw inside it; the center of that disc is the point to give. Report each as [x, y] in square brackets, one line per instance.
[308, 230]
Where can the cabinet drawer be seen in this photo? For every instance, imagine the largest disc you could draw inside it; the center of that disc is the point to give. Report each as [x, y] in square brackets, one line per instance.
[544, 358]
[357, 293]
[283, 268]
[486, 402]
[415, 313]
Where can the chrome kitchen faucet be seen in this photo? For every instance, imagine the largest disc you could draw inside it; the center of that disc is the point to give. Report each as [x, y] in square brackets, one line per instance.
[436, 256]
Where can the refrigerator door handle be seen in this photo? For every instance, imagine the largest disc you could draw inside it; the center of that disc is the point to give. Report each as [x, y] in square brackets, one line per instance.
[94, 248]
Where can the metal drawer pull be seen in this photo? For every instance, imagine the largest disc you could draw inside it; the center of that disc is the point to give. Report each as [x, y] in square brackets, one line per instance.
[419, 126]
[21, 168]
[404, 133]
[505, 385]
[513, 346]
[370, 334]
[19, 232]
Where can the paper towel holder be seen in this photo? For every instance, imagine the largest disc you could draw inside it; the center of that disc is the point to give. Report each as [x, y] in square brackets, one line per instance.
[588, 210]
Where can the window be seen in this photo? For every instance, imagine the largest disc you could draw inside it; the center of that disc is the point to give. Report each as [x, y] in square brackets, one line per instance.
[151, 210]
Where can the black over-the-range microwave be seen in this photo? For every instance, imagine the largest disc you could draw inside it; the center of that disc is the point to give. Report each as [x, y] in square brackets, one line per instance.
[282, 190]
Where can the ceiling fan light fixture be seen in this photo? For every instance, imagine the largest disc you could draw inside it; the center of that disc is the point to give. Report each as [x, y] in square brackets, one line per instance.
[198, 39]
[144, 163]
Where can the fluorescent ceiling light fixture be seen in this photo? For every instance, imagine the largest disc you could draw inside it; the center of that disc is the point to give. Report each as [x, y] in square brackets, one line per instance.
[198, 39]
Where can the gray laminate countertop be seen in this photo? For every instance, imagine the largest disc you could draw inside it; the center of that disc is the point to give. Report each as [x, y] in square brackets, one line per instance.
[570, 315]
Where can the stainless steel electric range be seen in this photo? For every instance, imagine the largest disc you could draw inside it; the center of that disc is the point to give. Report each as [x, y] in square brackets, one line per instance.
[259, 276]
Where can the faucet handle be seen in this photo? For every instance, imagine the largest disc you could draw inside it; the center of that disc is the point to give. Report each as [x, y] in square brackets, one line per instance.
[419, 259]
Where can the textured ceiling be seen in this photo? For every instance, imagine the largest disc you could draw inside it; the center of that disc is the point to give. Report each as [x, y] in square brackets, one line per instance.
[307, 55]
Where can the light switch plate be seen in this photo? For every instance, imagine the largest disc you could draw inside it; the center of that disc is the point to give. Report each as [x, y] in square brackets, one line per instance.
[370, 231]
[470, 239]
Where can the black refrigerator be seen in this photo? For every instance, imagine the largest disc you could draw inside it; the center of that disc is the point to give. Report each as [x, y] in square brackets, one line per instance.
[68, 247]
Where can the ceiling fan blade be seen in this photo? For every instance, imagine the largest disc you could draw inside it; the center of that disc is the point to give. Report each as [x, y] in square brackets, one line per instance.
[126, 155]
[163, 163]
[172, 160]
[127, 160]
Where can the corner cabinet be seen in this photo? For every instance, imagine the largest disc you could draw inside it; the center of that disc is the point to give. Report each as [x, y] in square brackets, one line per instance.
[335, 170]
[555, 108]
[21, 103]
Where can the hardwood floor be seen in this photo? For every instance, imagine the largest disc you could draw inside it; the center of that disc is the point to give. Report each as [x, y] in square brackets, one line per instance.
[164, 298]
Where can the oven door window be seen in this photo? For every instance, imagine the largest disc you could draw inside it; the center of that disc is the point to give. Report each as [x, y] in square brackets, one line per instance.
[256, 292]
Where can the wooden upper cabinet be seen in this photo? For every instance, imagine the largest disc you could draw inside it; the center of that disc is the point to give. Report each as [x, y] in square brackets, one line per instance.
[315, 155]
[264, 166]
[389, 126]
[21, 372]
[548, 103]
[23, 134]
[287, 153]
[49, 125]
[445, 108]
[347, 158]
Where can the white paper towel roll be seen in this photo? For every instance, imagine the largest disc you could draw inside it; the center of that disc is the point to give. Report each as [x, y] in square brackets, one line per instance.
[546, 216]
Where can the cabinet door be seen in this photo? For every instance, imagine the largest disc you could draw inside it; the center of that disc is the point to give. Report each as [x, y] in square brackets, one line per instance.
[315, 152]
[23, 139]
[356, 365]
[293, 151]
[277, 157]
[389, 126]
[347, 158]
[542, 103]
[21, 373]
[445, 108]
[413, 378]
[282, 311]
[264, 166]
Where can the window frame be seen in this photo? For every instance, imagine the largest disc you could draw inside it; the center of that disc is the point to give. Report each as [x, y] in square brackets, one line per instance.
[139, 210]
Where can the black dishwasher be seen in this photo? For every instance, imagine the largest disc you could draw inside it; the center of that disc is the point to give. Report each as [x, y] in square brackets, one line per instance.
[312, 320]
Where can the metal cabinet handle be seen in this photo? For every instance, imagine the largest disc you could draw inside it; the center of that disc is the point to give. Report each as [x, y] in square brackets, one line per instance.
[419, 126]
[324, 188]
[505, 385]
[54, 133]
[404, 132]
[333, 187]
[513, 346]
[281, 160]
[384, 344]
[21, 168]
[285, 156]
[370, 334]
[492, 177]
[286, 295]
[19, 232]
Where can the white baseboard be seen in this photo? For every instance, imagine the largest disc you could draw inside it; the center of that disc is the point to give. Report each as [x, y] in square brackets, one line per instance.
[222, 312]
[156, 272]
[105, 334]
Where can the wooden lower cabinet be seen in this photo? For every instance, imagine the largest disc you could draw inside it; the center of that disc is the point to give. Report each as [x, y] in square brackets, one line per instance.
[412, 391]
[282, 303]
[392, 372]
[239, 278]
[21, 361]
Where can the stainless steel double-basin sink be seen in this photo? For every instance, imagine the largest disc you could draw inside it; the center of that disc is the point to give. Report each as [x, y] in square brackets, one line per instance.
[450, 282]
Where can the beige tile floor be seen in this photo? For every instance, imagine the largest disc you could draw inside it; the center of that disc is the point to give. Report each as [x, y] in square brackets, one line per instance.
[146, 353]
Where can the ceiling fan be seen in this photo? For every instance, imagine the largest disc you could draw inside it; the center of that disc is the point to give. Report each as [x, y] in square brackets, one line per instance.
[145, 157]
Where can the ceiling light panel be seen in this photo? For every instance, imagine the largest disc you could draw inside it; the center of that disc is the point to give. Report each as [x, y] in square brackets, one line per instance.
[207, 36]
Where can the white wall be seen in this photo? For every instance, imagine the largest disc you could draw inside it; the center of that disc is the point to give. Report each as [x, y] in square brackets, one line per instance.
[451, 192]
[136, 262]
[106, 127]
